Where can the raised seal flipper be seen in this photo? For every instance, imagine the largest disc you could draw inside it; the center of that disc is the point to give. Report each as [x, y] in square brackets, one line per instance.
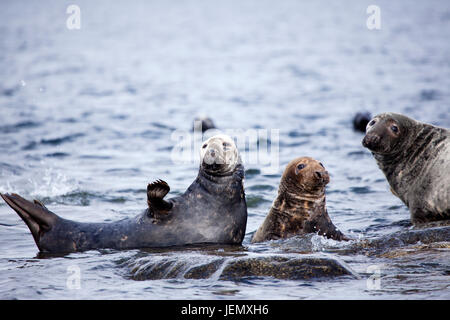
[36, 216]
[156, 191]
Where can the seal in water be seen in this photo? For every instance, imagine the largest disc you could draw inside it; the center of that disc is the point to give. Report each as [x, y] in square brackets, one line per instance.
[300, 206]
[203, 124]
[360, 121]
[415, 158]
[212, 210]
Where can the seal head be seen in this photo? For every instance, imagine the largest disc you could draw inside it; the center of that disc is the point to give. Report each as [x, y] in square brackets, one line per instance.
[306, 177]
[219, 155]
[385, 133]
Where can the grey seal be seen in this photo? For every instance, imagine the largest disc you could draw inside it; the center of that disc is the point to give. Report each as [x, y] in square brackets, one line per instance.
[360, 121]
[212, 210]
[415, 158]
[203, 124]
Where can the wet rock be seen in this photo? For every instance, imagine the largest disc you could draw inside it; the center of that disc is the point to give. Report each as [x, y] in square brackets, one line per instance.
[204, 271]
[419, 235]
[185, 266]
[280, 267]
[417, 250]
[413, 236]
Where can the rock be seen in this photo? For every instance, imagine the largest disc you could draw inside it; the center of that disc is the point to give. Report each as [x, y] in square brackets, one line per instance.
[284, 267]
[204, 266]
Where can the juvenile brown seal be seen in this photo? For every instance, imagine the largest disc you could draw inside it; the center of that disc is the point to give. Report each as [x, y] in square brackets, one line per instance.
[415, 158]
[212, 210]
[300, 207]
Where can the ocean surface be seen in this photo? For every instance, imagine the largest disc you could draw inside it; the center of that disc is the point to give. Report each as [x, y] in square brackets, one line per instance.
[89, 116]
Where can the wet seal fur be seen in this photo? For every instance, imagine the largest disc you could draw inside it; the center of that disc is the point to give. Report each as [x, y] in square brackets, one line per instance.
[415, 158]
[212, 210]
[300, 207]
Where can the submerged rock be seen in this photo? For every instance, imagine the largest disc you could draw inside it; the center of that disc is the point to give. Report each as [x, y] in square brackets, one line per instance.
[204, 266]
[284, 267]
[408, 237]
[187, 266]
[290, 259]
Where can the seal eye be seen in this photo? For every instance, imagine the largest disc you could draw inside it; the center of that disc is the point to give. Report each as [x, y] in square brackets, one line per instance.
[321, 165]
[204, 146]
[372, 122]
[225, 144]
[394, 128]
[301, 166]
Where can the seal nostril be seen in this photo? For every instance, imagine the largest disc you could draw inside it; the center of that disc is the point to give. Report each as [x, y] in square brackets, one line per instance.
[318, 174]
[371, 141]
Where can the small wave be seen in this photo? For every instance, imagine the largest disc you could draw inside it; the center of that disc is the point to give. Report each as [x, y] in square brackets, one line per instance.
[429, 95]
[293, 144]
[57, 155]
[309, 243]
[96, 93]
[160, 125]
[135, 191]
[126, 171]
[8, 92]
[298, 134]
[261, 187]
[18, 126]
[151, 134]
[52, 183]
[83, 198]
[47, 184]
[11, 168]
[357, 153]
[361, 190]
[61, 140]
[301, 73]
[94, 156]
[254, 201]
[250, 173]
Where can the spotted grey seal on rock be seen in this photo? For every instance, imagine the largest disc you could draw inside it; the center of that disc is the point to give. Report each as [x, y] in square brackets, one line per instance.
[415, 158]
[300, 207]
[212, 210]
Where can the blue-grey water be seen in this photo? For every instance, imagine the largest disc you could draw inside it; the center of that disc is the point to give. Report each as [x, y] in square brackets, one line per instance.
[87, 118]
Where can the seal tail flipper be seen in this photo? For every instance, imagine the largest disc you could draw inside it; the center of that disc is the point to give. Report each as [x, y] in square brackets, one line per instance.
[36, 216]
[156, 191]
